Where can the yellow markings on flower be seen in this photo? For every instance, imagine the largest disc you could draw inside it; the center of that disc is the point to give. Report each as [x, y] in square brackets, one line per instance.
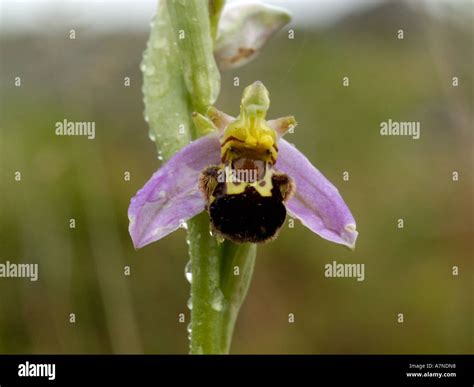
[263, 186]
[233, 188]
[256, 142]
[249, 135]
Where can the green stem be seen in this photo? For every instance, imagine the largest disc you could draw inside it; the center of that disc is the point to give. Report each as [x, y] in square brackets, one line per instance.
[221, 275]
[205, 287]
[237, 264]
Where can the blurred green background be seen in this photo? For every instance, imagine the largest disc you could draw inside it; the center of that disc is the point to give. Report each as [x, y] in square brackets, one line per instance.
[407, 270]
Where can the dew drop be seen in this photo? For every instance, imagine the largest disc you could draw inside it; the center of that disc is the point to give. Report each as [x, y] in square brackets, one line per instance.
[151, 135]
[190, 330]
[159, 43]
[149, 70]
[218, 237]
[183, 224]
[188, 271]
[190, 303]
[217, 300]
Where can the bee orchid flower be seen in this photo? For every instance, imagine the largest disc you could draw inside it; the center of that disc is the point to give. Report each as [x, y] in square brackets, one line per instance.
[242, 209]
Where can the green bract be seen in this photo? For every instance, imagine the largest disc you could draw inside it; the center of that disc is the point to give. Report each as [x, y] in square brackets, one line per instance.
[191, 27]
[167, 103]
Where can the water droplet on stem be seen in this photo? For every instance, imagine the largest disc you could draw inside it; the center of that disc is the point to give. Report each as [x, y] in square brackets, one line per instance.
[217, 302]
[188, 271]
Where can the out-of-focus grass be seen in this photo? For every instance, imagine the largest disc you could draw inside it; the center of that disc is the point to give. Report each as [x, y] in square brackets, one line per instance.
[81, 270]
